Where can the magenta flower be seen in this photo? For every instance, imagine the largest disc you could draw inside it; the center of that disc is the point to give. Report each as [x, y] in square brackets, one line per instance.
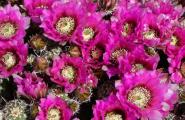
[12, 24]
[13, 57]
[175, 41]
[69, 72]
[138, 60]
[152, 29]
[36, 7]
[147, 95]
[165, 7]
[53, 108]
[177, 67]
[116, 48]
[112, 109]
[93, 54]
[126, 22]
[31, 85]
[60, 22]
[90, 29]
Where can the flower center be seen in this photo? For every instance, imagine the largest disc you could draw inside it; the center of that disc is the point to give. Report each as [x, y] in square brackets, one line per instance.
[9, 60]
[128, 28]
[53, 114]
[7, 30]
[150, 51]
[174, 40]
[136, 67]
[96, 53]
[113, 116]
[16, 112]
[150, 34]
[88, 33]
[65, 25]
[117, 53]
[69, 73]
[140, 96]
[182, 69]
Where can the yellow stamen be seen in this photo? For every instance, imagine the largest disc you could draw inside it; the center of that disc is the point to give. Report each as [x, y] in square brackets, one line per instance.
[150, 51]
[113, 116]
[117, 53]
[9, 60]
[137, 67]
[88, 33]
[69, 73]
[65, 25]
[7, 30]
[53, 114]
[174, 40]
[150, 34]
[140, 96]
[127, 29]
